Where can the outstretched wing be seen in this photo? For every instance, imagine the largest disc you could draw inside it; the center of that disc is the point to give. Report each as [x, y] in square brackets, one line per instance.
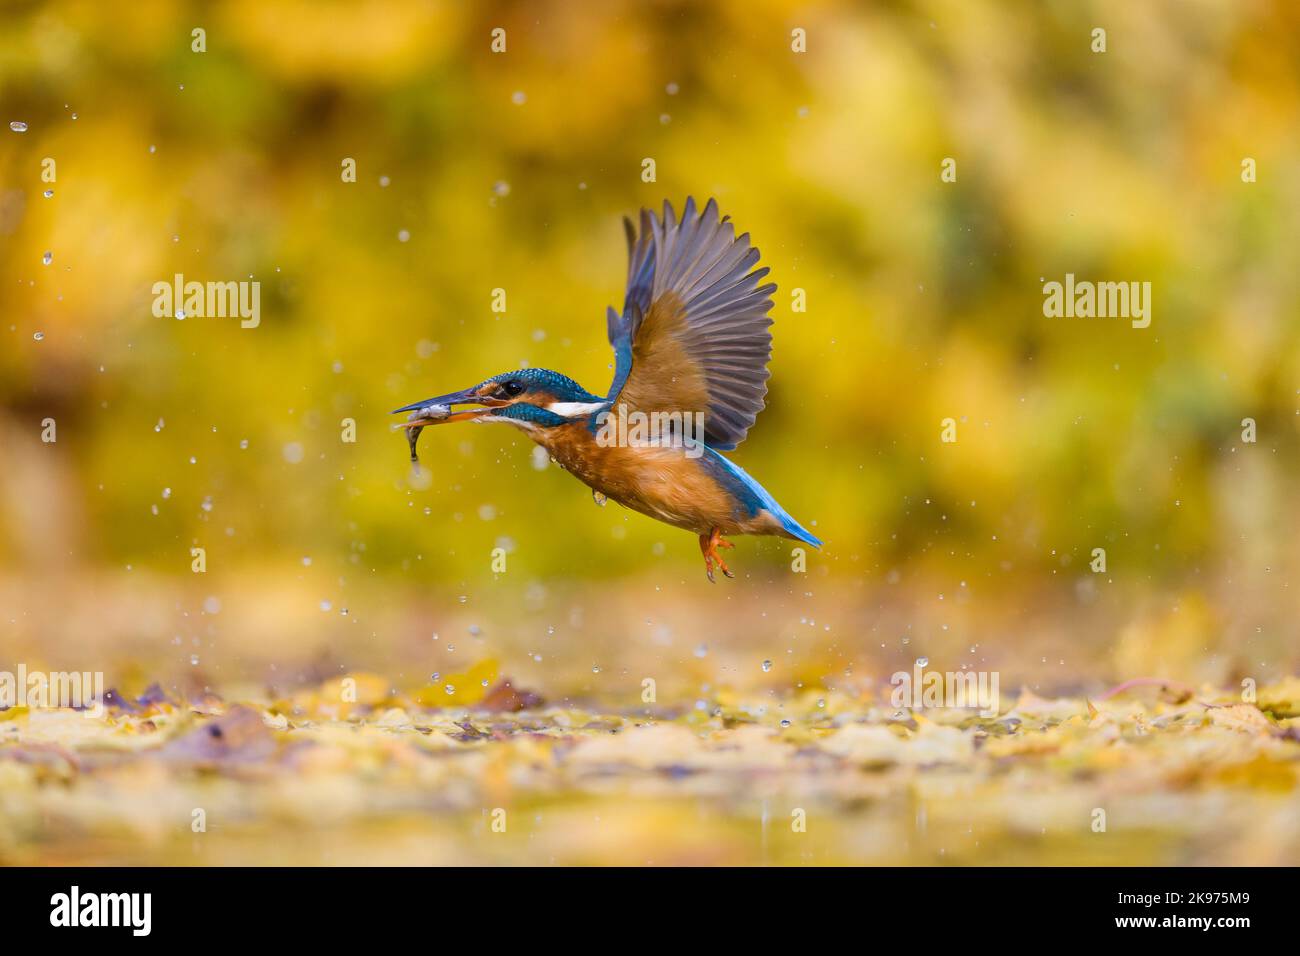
[693, 336]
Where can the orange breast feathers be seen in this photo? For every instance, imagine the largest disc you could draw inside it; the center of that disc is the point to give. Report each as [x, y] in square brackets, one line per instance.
[658, 481]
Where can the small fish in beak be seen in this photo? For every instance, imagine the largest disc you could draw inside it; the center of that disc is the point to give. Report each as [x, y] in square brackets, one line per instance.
[413, 436]
[435, 411]
[430, 414]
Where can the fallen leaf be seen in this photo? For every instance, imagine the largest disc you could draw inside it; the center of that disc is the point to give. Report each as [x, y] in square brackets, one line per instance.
[505, 698]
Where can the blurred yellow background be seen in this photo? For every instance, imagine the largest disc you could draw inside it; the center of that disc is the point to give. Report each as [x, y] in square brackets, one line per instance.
[479, 170]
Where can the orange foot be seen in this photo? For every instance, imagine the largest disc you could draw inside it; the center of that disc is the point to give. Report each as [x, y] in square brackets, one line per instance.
[709, 545]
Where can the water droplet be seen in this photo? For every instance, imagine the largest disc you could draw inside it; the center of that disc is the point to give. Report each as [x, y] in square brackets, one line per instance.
[922, 662]
[39, 336]
[450, 689]
[180, 315]
[18, 126]
[194, 659]
[48, 257]
[595, 669]
[785, 722]
[403, 235]
[48, 194]
[597, 497]
[767, 666]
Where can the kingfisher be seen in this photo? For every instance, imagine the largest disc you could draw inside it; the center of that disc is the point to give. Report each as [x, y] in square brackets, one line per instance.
[691, 348]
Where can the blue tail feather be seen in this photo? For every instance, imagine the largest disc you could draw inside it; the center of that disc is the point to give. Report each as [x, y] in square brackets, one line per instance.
[756, 497]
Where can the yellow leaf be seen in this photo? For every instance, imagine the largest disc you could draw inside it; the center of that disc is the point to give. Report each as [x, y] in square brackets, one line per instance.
[462, 689]
[340, 697]
[1281, 700]
[1243, 717]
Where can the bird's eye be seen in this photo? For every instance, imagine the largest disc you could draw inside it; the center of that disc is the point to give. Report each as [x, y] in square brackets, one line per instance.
[513, 388]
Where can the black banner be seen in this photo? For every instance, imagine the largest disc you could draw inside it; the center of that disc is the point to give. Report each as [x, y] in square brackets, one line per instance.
[915, 906]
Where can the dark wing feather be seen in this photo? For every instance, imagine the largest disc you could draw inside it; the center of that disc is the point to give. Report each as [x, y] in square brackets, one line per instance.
[693, 335]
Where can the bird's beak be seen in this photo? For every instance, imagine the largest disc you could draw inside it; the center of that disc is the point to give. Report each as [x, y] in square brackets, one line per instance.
[440, 410]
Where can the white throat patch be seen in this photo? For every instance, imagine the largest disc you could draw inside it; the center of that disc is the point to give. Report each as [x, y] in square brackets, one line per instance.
[574, 409]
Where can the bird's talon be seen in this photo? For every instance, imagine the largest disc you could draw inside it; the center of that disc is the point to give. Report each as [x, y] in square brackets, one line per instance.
[709, 544]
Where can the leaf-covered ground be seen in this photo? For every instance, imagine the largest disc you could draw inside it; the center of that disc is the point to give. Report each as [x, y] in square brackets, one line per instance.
[354, 772]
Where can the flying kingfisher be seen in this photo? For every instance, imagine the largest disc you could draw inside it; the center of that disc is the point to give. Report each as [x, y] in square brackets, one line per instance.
[691, 349]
